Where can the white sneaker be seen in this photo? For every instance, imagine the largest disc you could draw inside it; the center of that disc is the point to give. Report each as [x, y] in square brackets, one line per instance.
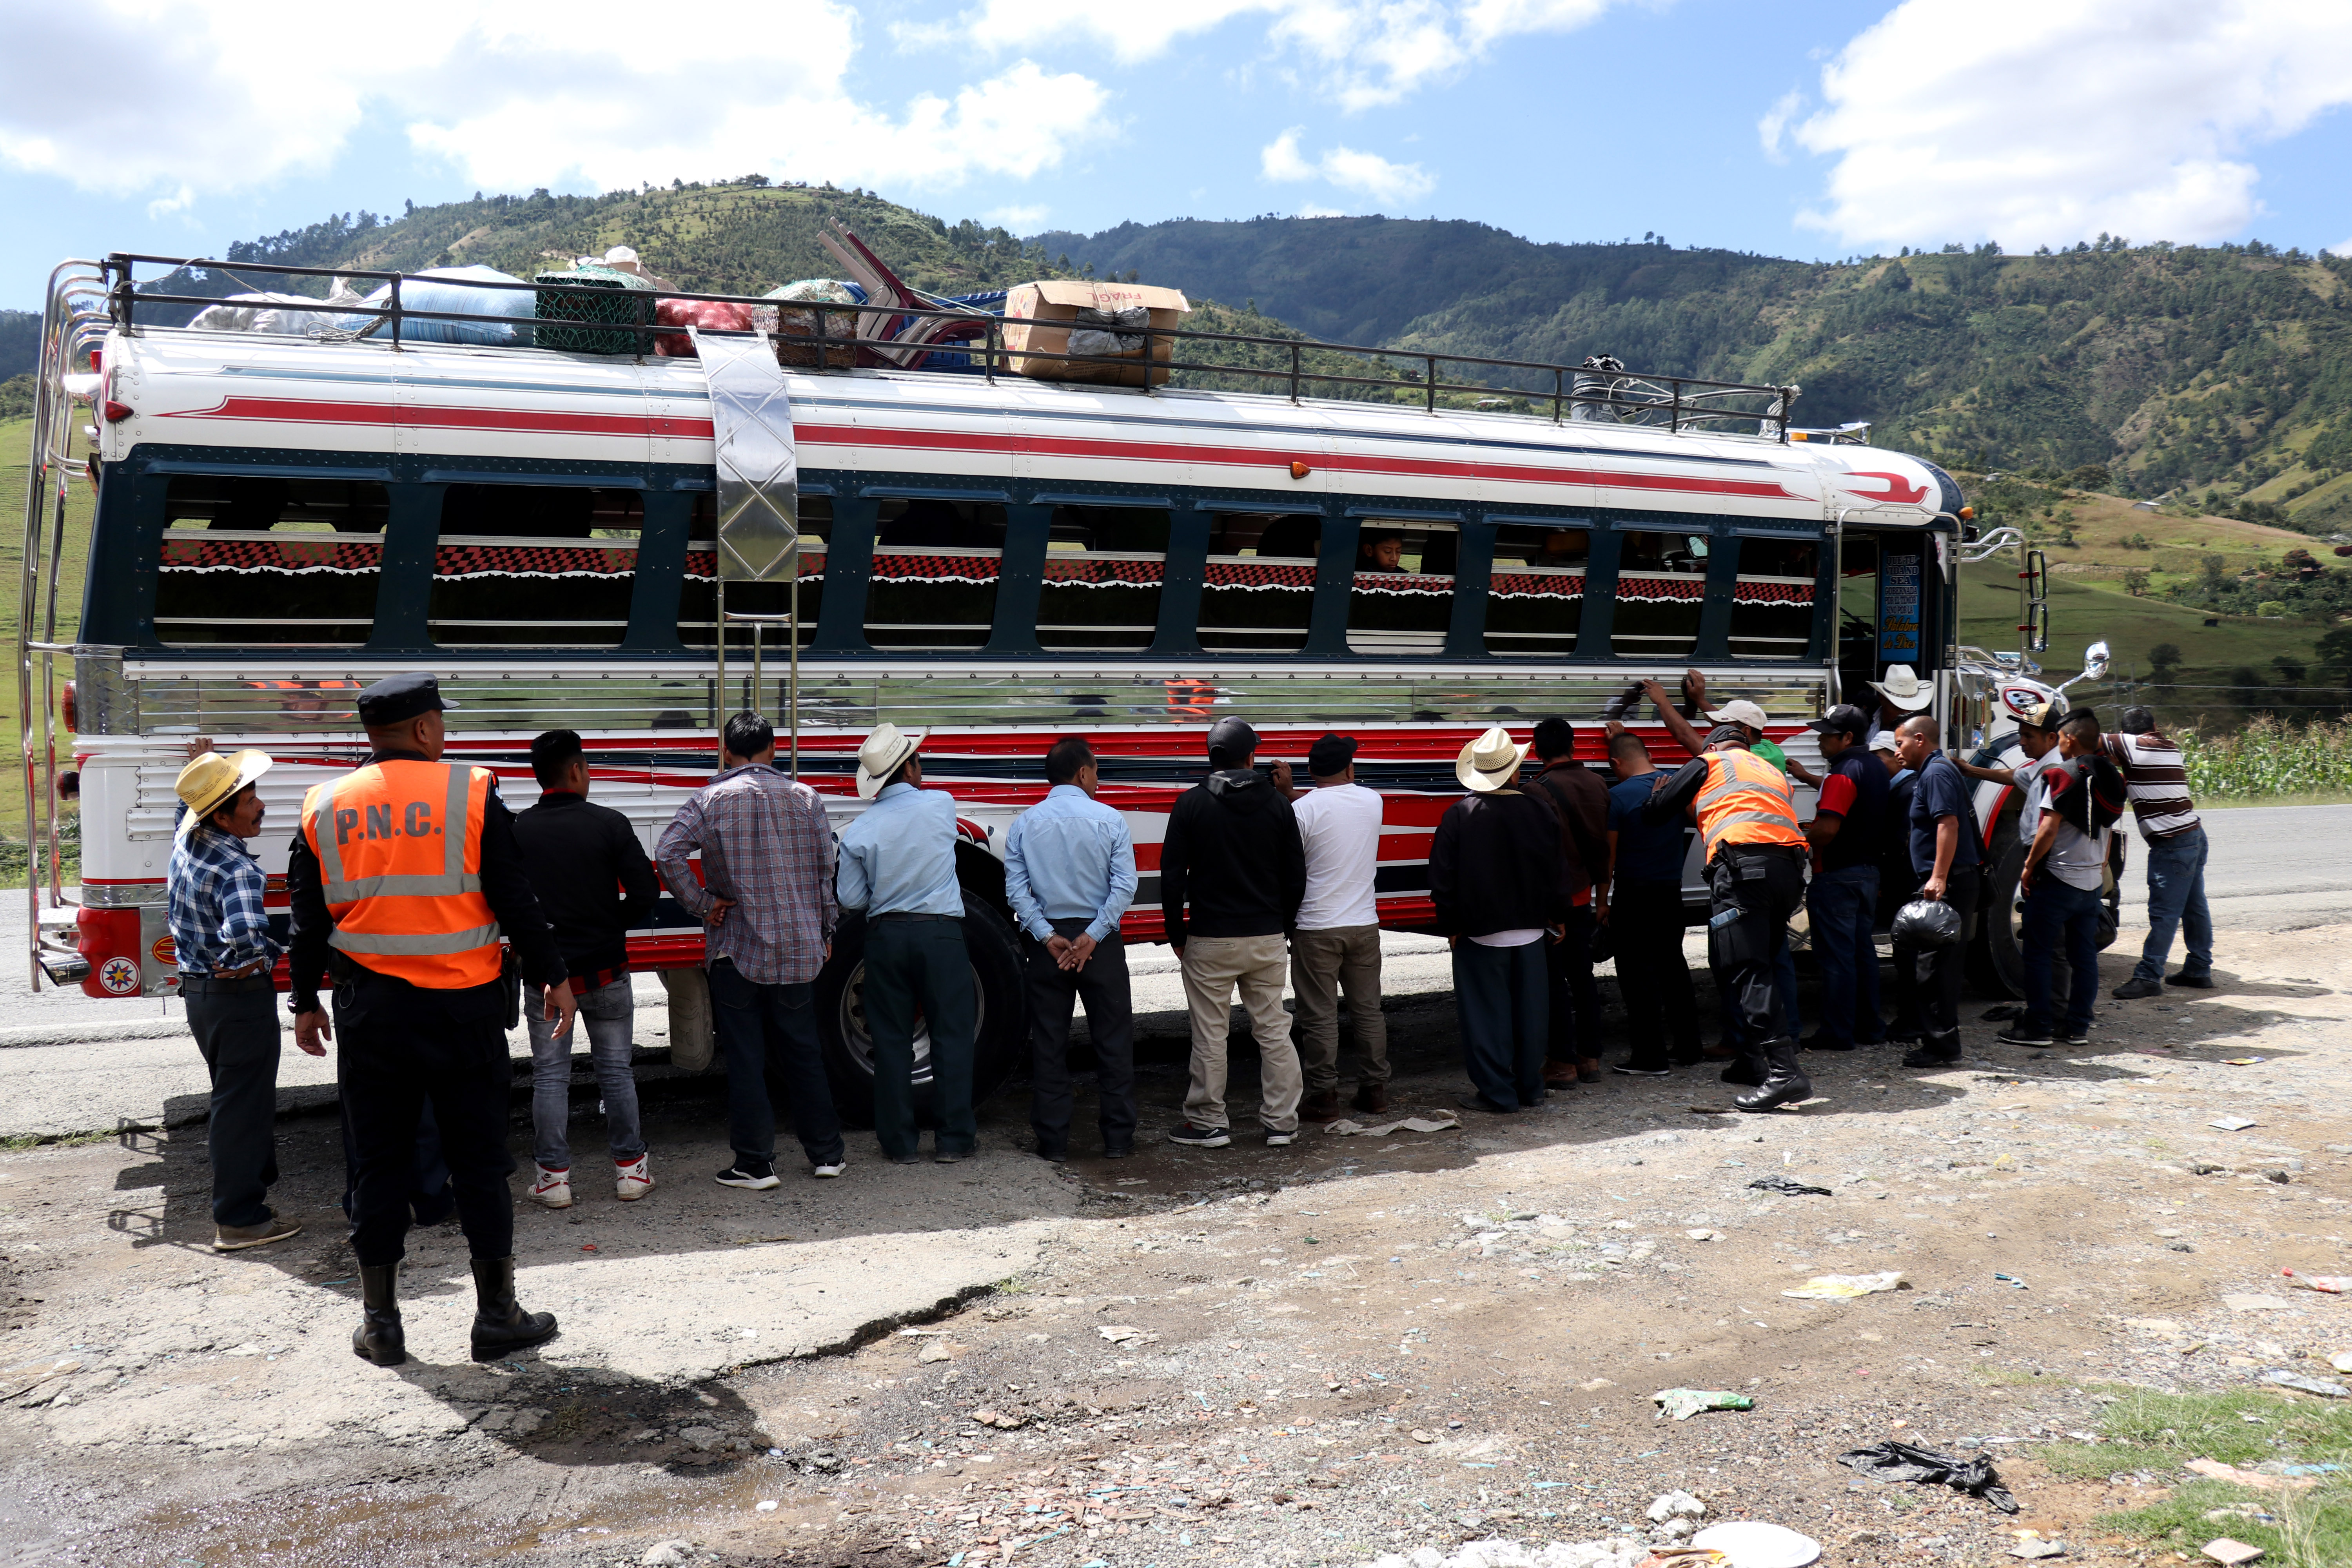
[827, 1173]
[631, 1181]
[1277, 1140]
[552, 1189]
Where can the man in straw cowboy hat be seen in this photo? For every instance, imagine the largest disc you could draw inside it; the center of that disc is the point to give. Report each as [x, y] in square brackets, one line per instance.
[1756, 854]
[1502, 889]
[897, 865]
[1900, 695]
[222, 945]
[1231, 851]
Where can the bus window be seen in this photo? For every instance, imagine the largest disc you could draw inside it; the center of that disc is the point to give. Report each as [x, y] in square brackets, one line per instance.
[259, 563]
[534, 565]
[1402, 595]
[1857, 606]
[1260, 585]
[1773, 609]
[1536, 597]
[1661, 590]
[696, 606]
[1104, 565]
[936, 563]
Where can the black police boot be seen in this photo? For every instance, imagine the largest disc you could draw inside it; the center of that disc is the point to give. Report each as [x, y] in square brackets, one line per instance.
[500, 1324]
[1785, 1082]
[380, 1338]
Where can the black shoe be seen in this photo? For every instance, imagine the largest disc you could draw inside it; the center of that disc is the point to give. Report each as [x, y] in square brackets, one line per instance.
[1901, 1038]
[1823, 1042]
[1054, 1156]
[2074, 1041]
[950, 1156]
[1934, 1052]
[1480, 1103]
[1119, 1151]
[1785, 1082]
[754, 1178]
[1742, 1072]
[2193, 982]
[1629, 1070]
[1689, 1059]
[906, 1159]
[1194, 1137]
[380, 1337]
[500, 1325]
[2018, 1035]
[2135, 988]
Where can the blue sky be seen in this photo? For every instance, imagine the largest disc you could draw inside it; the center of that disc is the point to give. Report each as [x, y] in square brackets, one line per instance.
[1821, 130]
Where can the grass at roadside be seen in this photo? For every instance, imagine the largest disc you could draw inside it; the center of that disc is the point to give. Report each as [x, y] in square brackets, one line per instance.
[2310, 1528]
[15, 437]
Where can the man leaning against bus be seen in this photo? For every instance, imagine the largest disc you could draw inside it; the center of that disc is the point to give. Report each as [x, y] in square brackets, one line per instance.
[221, 946]
[403, 878]
[765, 901]
[898, 864]
[1233, 851]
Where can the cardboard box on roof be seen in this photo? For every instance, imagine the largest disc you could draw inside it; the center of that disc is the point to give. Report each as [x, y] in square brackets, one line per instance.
[1038, 318]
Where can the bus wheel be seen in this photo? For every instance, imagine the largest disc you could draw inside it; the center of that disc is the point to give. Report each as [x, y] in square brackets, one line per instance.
[1002, 1007]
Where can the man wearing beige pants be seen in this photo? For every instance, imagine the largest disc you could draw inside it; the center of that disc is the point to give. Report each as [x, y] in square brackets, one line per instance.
[1337, 947]
[1233, 851]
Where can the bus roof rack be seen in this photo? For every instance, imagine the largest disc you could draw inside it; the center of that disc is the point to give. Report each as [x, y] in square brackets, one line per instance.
[1598, 391]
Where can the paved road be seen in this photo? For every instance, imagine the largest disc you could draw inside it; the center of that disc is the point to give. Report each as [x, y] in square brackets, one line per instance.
[2270, 868]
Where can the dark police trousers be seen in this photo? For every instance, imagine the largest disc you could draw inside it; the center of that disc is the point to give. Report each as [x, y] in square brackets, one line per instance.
[1753, 890]
[1940, 970]
[916, 971]
[1053, 994]
[399, 1049]
[235, 1026]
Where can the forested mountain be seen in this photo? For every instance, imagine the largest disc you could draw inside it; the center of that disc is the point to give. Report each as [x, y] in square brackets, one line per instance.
[2224, 371]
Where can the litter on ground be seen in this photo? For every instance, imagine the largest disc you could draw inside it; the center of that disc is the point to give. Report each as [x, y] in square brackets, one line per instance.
[1840, 1287]
[1682, 1404]
[1896, 1461]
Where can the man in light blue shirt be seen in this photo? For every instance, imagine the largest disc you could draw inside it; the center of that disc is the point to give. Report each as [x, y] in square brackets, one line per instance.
[897, 866]
[1069, 872]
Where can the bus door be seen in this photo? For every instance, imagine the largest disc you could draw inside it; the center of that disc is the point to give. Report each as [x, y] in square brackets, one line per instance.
[1890, 591]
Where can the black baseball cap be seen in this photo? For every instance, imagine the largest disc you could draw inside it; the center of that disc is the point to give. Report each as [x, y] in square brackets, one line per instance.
[1234, 737]
[399, 697]
[1328, 755]
[1845, 719]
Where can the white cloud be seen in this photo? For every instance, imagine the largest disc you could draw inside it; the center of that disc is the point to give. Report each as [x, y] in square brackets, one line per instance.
[1361, 53]
[1345, 167]
[1775, 124]
[2045, 122]
[2343, 249]
[514, 96]
[1018, 218]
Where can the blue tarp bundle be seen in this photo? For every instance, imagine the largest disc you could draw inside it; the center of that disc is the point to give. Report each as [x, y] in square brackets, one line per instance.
[438, 290]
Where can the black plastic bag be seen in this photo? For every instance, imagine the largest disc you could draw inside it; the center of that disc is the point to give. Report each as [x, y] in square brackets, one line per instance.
[1787, 1188]
[1894, 1461]
[1928, 922]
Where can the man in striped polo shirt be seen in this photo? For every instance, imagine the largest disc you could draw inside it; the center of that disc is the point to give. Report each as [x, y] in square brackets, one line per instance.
[2159, 783]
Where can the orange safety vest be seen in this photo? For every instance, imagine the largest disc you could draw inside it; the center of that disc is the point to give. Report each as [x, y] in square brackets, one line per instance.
[400, 857]
[1746, 801]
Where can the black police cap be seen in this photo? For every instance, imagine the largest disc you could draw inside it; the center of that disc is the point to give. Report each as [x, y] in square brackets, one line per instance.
[399, 697]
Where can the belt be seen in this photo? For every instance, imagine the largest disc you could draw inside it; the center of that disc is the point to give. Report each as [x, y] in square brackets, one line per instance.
[1736, 848]
[597, 979]
[205, 986]
[910, 915]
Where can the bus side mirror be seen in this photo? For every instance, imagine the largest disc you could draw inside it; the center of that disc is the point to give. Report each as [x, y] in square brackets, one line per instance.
[2095, 660]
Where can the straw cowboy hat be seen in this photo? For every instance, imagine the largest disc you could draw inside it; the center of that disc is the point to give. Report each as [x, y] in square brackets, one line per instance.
[211, 781]
[1488, 763]
[1904, 687]
[885, 751]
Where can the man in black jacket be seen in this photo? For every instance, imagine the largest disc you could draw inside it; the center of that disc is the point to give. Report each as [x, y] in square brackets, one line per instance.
[1580, 801]
[1501, 887]
[595, 886]
[1232, 849]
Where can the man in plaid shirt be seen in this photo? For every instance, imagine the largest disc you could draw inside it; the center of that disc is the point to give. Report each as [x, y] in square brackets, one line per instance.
[765, 899]
[222, 945]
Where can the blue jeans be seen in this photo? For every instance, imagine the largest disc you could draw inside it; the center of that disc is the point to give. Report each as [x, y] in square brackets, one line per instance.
[1844, 904]
[2176, 901]
[767, 1036]
[1500, 996]
[607, 1011]
[2055, 911]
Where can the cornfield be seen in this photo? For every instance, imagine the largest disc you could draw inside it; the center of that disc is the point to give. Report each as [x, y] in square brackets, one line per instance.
[2268, 758]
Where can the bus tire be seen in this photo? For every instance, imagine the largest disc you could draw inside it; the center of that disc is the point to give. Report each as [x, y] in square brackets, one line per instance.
[1003, 1017]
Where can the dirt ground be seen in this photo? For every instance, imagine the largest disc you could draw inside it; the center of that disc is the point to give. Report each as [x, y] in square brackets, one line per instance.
[1316, 1355]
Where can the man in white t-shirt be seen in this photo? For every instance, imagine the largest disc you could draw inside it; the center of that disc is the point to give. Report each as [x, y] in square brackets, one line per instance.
[1336, 945]
[2063, 879]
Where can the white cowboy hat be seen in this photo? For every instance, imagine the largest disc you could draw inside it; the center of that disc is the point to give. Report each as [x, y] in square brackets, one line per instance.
[211, 781]
[1904, 687]
[883, 753]
[1741, 711]
[1488, 763]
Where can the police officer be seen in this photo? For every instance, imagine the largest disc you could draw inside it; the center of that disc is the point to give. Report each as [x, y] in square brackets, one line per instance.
[1755, 879]
[403, 874]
